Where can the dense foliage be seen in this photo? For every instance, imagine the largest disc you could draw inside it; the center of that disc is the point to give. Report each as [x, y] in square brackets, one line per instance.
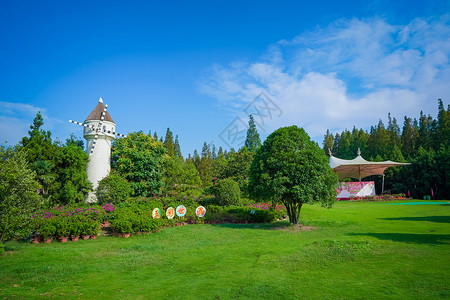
[291, 168]
[139, 158]
[425, 143]
[113, 189]
[227, 192]
[60, 169]
[18, 197]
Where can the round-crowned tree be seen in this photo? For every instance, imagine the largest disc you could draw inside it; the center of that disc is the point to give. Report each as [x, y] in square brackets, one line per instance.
[227, 192]
[292, 169]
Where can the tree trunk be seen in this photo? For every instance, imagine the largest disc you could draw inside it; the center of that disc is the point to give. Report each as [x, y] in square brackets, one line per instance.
[293, 211]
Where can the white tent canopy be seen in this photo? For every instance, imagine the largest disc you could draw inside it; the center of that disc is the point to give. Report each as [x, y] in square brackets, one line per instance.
[359, 167]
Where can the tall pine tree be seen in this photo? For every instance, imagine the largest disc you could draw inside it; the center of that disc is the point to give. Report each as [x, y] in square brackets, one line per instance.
[168, 143]
[252, 142]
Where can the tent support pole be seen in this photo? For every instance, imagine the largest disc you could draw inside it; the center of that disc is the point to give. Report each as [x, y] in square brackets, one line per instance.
[382, 186]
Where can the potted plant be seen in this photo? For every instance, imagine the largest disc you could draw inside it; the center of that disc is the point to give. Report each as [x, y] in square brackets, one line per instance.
[122, 227]
[47, 231]
[84, 230]
[75, 228]
[93, 229]
[36, 239]
[62, 230]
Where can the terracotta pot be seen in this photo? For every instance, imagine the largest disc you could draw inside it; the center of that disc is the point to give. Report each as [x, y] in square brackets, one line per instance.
[47, 241]
[35, 240]
[138, 233]
[85, 236]
[120, 235]
[63, 239]
[75, 238]
[93, 236]
[126, 235]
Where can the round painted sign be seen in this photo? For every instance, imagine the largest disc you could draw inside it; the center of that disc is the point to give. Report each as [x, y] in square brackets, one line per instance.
[170, 213]
[200, 211]
[156, 214]
[181, 210]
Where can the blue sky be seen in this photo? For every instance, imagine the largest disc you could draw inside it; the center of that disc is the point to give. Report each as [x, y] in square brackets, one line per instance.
[200, 67]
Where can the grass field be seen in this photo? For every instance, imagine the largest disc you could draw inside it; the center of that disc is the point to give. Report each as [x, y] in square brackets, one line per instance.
[358, 251]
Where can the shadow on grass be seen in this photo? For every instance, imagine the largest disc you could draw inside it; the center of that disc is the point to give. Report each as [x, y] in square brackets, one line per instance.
[269, 226]
[436, 219]
[430, 239]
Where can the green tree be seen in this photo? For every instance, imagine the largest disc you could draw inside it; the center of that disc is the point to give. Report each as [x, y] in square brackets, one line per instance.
[378, 142]
[60, 169]
[179, 173]
[205, 165]
[168, 143]
[227, 192]
[71, 183]
[140, 159]
[408, 138]
[113, 189]
[393, 131]
[443, 125]
[252, 142]
[426, 131]
[238, 168]
[220, 165]
[177, 148]
[328, 141]
[18, 197]
[40, 154]
[291, 168]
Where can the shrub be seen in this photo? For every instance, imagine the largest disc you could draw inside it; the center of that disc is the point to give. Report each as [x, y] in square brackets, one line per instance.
[62, 227]
[227, 192]
[113, 189]
[47, 230]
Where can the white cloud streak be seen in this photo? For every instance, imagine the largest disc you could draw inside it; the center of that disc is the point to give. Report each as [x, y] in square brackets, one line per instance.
[352, 72]
[15, 120]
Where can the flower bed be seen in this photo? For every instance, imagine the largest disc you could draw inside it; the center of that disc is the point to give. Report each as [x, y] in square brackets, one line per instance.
[135, 216]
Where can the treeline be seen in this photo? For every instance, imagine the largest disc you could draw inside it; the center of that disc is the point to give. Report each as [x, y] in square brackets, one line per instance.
[423, 142]
[200, 170]
[60, 168]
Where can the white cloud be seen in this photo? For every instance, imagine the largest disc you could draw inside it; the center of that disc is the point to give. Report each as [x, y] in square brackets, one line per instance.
[351, 73]
[15, 120]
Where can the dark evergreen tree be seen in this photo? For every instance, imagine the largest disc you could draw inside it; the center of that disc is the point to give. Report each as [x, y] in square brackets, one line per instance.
[408, 138]
[177, 148]
[443, 126]
[393, 131]
[205, 166]
[336, 141]
[220, 152]
[168, 143]
[252, 142]
[213, 151]
[328, 142]
[426, 131]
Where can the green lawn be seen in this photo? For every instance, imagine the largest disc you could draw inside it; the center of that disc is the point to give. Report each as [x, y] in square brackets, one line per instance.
[359, 250]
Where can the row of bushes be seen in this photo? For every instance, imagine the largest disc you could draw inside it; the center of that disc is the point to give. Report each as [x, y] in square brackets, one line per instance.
[135, 215]
[240, 214]
[70, 221]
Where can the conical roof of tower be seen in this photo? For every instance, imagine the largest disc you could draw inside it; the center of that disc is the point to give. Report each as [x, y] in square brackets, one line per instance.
[96, 114]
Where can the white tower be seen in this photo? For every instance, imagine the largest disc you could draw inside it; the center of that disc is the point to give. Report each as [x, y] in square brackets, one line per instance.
[99, 132]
